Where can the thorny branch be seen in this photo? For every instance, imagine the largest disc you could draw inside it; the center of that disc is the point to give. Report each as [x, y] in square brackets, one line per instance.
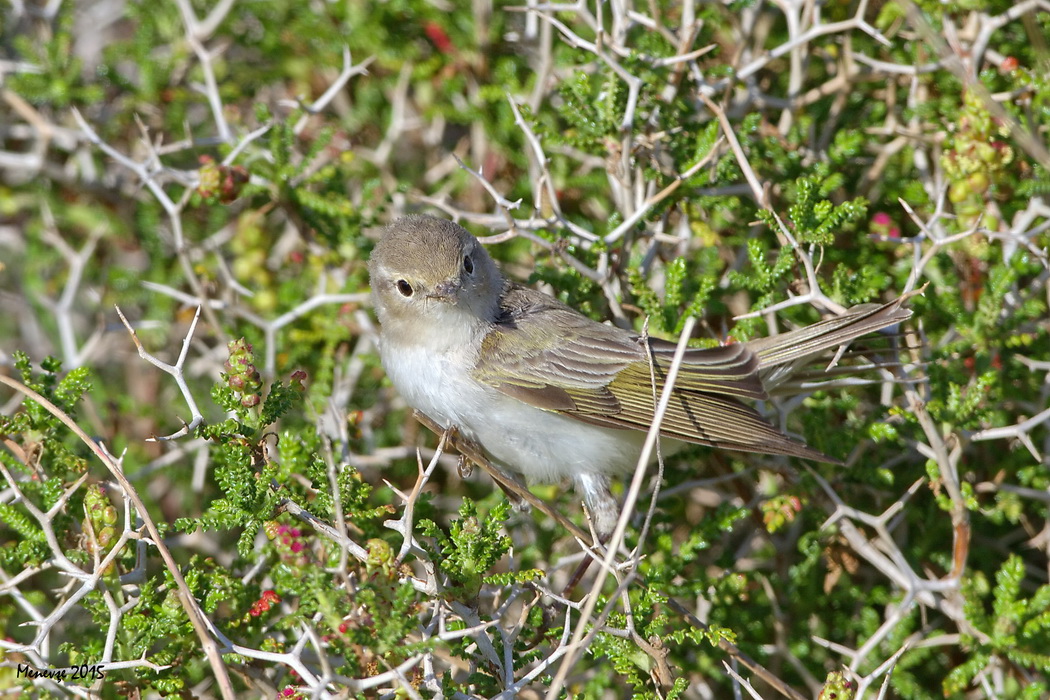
[602, 31]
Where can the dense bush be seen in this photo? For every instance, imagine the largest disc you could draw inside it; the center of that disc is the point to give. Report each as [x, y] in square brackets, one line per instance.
[295, 533]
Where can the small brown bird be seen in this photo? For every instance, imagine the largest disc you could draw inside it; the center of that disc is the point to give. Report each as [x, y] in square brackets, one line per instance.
[547, 392]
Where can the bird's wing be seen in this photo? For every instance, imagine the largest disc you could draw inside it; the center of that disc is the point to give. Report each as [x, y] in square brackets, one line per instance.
[601, 375]
[525, 357]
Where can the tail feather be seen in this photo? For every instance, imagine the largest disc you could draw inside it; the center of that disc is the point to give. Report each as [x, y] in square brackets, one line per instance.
[787, 360]
[806, 342]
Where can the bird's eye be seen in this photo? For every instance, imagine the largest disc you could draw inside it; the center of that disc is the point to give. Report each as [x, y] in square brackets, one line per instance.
[468, 264]
[404, 287]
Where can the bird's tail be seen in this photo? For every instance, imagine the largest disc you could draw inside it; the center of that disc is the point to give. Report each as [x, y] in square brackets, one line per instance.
[783, 358]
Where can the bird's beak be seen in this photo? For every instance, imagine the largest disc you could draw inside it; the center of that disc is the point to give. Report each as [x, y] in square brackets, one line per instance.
[447, 291]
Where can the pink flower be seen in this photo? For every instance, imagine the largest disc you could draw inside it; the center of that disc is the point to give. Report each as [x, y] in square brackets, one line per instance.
[882, 224]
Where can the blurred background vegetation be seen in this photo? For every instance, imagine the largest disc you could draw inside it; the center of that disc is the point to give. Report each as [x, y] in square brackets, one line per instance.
[645, 162]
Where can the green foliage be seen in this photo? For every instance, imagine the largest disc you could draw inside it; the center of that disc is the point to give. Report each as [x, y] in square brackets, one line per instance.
[687, 292]
[1017, 629]
[291, 499]
[761, 277]
[471, 547]
[813, 218]
[60, 81]
[594, 104]
[47, 461]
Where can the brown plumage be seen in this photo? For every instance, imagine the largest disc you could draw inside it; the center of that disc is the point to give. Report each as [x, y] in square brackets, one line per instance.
[594, 372]
[548, 393]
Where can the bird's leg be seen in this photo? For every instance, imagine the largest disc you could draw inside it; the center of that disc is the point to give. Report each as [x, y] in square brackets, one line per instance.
[604, 511]
[601, 504]
[512, 484]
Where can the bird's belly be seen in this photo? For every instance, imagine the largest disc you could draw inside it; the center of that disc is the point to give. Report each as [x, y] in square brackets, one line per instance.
[543, 446]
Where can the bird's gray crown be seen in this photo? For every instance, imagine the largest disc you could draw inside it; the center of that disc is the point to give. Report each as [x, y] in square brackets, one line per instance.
[426, 246]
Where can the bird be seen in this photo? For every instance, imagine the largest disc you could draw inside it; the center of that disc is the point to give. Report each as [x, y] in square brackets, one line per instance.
[550, 394]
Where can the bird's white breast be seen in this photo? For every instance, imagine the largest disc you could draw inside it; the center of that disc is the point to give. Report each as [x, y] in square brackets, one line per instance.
[543, 446]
